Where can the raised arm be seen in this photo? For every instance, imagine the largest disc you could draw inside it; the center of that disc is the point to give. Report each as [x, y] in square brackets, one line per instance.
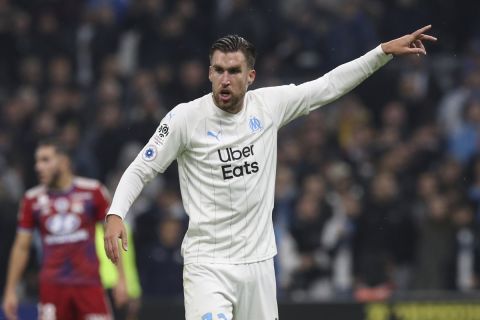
[347, 76]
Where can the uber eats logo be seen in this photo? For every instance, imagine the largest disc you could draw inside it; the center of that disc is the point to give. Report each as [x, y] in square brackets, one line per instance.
[233, 154]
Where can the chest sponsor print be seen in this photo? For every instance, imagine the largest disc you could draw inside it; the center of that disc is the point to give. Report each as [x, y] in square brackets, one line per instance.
[241, 157]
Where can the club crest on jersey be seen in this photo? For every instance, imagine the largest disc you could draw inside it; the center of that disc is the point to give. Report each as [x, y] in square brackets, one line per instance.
[149, 153]
[254, 124]
[61, 205]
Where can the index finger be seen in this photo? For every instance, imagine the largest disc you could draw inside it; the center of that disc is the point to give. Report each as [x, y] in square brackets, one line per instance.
[421, 30]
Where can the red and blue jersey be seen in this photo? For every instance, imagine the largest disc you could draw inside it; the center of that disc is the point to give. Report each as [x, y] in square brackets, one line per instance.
[66, 221]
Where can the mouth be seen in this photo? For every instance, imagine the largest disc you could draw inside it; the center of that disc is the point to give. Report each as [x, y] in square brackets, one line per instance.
[225, 95]
[41, 177]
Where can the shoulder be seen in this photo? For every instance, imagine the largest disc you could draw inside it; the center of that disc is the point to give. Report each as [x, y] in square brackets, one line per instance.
[192, 110]
[267, 96]
[91, 185]
[186, 116]
[34, 192]
[86, 183]
[272, 91]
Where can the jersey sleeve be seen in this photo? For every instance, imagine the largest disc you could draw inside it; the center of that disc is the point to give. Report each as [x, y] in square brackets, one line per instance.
[167, 142]
[102, 202]
[286, 103]
[165, 145]
[26, 220]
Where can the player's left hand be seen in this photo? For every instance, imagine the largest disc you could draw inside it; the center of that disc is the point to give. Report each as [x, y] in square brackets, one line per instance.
[410, 43]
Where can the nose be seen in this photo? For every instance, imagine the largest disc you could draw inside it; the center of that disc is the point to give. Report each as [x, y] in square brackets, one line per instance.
[225, 79]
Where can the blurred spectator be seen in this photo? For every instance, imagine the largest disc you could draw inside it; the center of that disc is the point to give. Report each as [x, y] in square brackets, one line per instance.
[84, 161]
[340, 229]
[350, 33]
[161, 271]
[50, 38]
[7, 38]
[418, 90]
[474, 188]
[394, 124]
[463, 142]
[285, 193]
[466, 256]
[385, 237]
[435, 247]
[451, 181]
[450, 111]
[427, 148]
[108, 138]
[11, 189]
[31, 73]
[427, 187]
[311, 276]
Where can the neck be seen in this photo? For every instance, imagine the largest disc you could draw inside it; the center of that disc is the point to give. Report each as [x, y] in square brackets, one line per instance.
[234, 109]
[63, 182]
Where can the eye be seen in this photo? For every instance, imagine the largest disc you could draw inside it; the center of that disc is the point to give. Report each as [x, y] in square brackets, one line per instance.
[234, 70]
[218, 70]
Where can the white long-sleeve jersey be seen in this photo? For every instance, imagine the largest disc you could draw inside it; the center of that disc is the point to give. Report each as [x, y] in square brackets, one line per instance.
[227, 162]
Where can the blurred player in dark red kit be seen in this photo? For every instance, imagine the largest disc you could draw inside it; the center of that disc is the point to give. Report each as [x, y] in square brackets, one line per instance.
[65, 209]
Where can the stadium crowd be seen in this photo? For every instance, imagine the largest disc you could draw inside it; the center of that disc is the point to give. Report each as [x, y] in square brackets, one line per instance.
[377, 194]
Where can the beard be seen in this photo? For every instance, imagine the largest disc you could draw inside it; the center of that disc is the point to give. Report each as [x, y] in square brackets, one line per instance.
[233, 105]
[54, 181]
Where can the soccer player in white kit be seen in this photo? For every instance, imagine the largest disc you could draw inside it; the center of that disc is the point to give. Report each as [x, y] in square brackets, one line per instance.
[225, 144]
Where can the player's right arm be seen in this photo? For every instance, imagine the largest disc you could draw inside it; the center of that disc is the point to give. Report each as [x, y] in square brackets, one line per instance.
[164, 146]
[17, 263]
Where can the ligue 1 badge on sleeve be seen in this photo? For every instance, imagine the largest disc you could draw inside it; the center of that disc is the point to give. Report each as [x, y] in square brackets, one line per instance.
[149, 153]
[163, 130]
[161, 134]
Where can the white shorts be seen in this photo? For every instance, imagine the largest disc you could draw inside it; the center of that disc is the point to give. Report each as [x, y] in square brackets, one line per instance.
[230, 291]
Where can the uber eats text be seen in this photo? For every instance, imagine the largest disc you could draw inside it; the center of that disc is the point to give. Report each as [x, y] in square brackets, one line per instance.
[230, 171]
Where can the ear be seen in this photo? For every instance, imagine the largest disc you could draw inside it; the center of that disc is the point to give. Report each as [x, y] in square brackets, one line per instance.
[251, 76]
[210, 73]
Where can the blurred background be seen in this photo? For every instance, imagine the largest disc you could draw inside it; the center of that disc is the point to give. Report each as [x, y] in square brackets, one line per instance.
[377, 195]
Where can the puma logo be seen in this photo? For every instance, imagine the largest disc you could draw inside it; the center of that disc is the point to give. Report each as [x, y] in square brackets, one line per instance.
[214, 134]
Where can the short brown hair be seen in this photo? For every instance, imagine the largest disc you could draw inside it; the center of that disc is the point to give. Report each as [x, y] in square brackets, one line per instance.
[233, 43]
[59, 147]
